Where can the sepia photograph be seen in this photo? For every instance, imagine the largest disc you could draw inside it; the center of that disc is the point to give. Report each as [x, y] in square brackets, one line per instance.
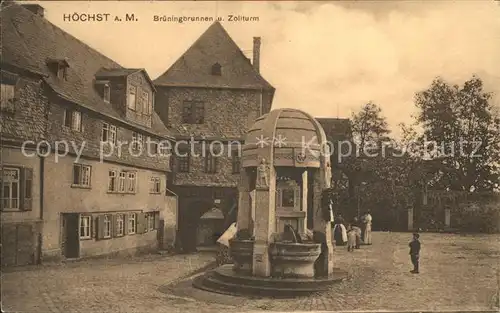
[250, 156]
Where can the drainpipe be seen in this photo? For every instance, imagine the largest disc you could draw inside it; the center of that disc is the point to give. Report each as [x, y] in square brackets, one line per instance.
[40, 234]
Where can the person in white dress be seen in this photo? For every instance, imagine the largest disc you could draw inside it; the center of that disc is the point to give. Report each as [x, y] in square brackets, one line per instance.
[367, 220]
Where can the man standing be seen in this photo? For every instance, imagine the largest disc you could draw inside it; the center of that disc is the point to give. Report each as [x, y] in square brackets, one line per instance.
[415, 253]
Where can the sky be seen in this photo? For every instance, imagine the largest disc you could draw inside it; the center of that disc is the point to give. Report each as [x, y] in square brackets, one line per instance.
[326, 58]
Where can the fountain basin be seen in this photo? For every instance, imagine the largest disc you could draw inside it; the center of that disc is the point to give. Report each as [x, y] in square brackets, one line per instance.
[242, 254]
[294, 260]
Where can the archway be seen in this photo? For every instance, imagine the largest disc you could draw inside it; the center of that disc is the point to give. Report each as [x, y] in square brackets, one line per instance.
[189, 218]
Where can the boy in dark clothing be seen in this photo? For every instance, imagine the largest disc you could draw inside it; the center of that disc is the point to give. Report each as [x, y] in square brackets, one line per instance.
[415, 252]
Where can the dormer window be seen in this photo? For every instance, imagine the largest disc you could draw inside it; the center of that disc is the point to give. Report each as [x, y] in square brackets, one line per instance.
[103, 88]
[59, 67]
[106, 93]
[216, 69]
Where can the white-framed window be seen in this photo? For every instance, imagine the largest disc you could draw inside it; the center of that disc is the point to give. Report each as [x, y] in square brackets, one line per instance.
[81, 175]
[7, 97]
[132, 100]
[132, 181]
[121, 181]
[151, 221]
[85, 224]
[153, 145]
[107, 226]
[132, 223]
[73, 119]
[112, 181]
[155, 185]
[108, 133]
[120, 222]
[11, 182]
[145, 102]
[137, 141]
[106, 93]
[164, 148]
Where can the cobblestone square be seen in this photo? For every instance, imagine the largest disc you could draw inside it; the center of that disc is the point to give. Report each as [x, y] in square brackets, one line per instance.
[457, 272]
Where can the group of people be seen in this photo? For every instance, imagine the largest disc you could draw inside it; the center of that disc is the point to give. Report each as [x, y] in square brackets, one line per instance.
[354, 233]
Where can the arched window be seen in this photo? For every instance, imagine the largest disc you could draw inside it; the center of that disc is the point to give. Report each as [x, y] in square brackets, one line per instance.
[217, 69]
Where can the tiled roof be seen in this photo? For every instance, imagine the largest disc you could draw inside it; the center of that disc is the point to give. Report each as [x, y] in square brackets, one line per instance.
[193, 68]
[336, 128]
[29, 41]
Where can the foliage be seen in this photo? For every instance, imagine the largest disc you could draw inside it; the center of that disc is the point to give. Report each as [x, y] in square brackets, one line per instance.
[368, 125]
[463, 132]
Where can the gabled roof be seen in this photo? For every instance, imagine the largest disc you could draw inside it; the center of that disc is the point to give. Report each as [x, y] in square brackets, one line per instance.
[193, 68]
[29, 40]
[336, 128]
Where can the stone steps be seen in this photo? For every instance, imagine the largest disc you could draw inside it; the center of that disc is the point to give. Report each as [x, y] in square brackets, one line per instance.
[224, 280]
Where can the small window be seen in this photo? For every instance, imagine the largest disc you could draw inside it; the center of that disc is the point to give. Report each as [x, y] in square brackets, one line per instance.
[81, 175]
[145, 102]
[62, 72]
[120, 225]
[85, 224]
[153, 146]
[11, 184]
[106, 93]
[107, 226]
[132, 223]
[217, 69]
[73, 120]
[108, 133]
[164, 148]
[211, 163]
[193, 112]
[132, 181]
[137, 141]
[155, 185]
[112, 185]
[183, 161]
[151, 221]
[7, 97]
[121, 181]
[132, 101]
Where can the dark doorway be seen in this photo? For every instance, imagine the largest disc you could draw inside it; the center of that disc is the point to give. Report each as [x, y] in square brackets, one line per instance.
[71, 235]
[189, 218]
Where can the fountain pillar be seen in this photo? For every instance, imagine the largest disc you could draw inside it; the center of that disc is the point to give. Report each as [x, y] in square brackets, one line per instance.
[244, 206]
[304, 200]
[265, 216]
[322, 178]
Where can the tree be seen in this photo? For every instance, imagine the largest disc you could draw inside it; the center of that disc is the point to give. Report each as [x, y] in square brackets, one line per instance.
[462, 133]
[368, 125]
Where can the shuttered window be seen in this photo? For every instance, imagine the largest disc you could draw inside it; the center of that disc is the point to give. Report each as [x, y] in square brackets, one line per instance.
[17, 188]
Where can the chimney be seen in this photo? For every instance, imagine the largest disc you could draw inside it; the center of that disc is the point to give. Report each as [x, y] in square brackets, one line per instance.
[256, 54]
[35, 9]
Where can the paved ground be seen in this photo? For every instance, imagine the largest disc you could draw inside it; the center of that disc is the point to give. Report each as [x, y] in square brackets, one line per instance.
[457, 272]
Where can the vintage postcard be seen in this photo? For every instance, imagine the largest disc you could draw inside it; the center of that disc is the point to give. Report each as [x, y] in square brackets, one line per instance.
[250, 156]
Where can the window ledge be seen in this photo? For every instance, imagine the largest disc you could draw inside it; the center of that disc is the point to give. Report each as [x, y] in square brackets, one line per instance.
[80, 186]
[12, 210]
[121, 193]
[155, 193]
[85, 238]
[132, 234]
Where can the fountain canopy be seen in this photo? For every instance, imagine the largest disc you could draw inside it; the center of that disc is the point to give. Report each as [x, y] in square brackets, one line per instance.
[293, 137]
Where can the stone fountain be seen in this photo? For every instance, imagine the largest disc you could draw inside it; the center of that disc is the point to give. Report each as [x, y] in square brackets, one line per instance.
[273, 195]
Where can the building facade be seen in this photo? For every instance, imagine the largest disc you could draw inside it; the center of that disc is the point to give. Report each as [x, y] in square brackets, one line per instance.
[209, 97]
[85, 158]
